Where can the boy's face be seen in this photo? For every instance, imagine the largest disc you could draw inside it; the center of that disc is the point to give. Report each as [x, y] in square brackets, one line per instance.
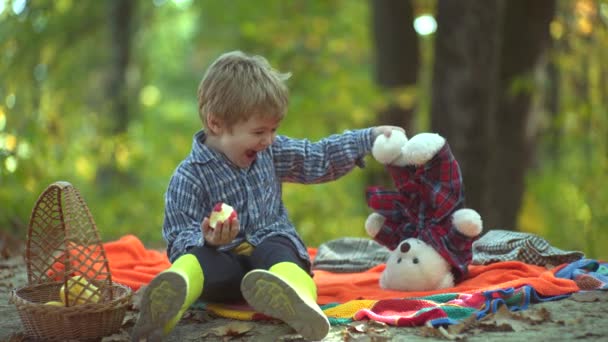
[246, 138]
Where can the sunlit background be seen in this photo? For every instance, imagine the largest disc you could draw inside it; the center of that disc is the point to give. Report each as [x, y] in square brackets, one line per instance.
[58, 67]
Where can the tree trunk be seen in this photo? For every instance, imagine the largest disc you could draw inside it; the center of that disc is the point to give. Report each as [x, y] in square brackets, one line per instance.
[120, 16]
[397, 62]
[397, 54]
[525, 38]
[485, 54]
[465, 90]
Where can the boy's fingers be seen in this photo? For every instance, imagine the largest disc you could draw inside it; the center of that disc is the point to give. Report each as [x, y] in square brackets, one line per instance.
[234, 228]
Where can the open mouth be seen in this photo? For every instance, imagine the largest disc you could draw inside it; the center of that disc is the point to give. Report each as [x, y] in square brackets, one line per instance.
[250, 154]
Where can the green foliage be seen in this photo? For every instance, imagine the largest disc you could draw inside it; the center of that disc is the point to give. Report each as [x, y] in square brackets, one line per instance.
[54, 59]
[566, 200]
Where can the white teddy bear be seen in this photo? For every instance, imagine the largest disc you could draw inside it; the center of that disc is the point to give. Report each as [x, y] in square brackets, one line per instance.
[423, 222]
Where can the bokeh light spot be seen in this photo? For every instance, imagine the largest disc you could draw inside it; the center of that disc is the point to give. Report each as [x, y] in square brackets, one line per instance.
[182, 4]
[149, 96]
[19, 6]
[2, 118]
[10, 164]
[425, 25]
[10, 142]
[40, 72]
[24, 150]
[63, 5]
[10, 100]
[84, 168]
[557, 29]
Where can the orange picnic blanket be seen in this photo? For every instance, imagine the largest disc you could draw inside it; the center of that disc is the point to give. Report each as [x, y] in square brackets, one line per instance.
[132, 264]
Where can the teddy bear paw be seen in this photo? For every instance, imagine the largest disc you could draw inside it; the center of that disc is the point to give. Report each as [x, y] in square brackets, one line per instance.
[421, 148]
[373, 224]
[388, 149]
[467, 221]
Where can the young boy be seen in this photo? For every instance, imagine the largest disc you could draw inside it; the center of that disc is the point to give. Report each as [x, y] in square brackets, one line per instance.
[239, 159]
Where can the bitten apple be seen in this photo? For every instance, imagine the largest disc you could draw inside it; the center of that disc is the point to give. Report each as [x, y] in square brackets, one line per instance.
[221, 212]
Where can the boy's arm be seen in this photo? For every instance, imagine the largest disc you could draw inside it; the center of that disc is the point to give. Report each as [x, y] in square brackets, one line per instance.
[302, 161]
[182, 222]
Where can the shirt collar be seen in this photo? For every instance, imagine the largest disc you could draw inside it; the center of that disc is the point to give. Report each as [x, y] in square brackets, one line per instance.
[201, 153]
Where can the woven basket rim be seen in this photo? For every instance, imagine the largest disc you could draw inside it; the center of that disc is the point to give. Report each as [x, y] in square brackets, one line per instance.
[16, 295]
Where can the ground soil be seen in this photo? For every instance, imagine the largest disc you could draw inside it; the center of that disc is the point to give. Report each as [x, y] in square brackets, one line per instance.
[583, 316]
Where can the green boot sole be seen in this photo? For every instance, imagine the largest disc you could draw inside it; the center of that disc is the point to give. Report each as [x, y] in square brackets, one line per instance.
[269, 294]
[161, 302]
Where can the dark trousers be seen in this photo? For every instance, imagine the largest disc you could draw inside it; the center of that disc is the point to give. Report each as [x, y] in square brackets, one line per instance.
[224, 270]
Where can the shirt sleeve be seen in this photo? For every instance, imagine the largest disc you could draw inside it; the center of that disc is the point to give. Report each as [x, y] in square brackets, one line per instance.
[183, 217]
[302, 161]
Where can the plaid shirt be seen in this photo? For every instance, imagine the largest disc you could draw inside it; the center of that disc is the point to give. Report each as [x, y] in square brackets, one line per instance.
[421, 207]
[206, 177]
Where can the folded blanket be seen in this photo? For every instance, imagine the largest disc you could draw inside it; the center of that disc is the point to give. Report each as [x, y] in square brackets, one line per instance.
[349, 254]
[505, 245]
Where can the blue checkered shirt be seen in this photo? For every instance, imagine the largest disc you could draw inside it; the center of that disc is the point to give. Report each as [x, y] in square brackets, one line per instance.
[206, 177]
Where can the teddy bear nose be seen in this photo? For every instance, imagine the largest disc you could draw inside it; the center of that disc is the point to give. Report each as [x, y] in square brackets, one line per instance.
[405, 247]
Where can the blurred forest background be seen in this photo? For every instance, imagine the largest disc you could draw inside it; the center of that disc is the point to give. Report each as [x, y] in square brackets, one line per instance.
[103, 94]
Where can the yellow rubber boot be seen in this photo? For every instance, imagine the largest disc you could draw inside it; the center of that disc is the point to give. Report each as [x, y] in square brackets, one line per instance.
[167, 297]
[288, 293]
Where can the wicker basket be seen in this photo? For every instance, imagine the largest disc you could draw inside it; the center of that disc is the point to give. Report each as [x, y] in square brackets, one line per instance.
[62, 243]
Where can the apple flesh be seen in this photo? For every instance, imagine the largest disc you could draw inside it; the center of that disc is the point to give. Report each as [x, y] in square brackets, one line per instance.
[221, 212]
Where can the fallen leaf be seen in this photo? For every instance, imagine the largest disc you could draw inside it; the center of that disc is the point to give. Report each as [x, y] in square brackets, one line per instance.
[365, 331]
[130, 318]
[6, 272]
[501, 320]
[360, 328]
[232, 329]
[463, 326]
[589, 296]
[350, 337]
[505, 320]
[367, 327]
[120, 336]
[534, 315]
[291, 338]
[137, 297]
[440, 332]
[571, 321]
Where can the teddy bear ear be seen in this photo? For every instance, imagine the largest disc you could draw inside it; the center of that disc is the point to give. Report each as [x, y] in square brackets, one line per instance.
[387, 149]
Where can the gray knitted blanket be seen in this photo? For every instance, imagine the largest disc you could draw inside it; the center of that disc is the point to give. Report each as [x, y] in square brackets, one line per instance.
[504, 245]
[350, 254]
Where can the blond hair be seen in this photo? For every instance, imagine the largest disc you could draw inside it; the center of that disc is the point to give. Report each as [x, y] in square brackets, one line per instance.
[237, 86]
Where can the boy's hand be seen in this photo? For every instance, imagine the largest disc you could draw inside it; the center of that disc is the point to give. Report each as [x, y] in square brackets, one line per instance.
[386, 130]
[223, 233]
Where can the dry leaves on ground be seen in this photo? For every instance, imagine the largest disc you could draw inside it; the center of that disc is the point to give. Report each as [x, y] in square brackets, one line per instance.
[502, 320]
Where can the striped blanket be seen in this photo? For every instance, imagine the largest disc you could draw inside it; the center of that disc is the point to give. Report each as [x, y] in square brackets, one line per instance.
[434, 310]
